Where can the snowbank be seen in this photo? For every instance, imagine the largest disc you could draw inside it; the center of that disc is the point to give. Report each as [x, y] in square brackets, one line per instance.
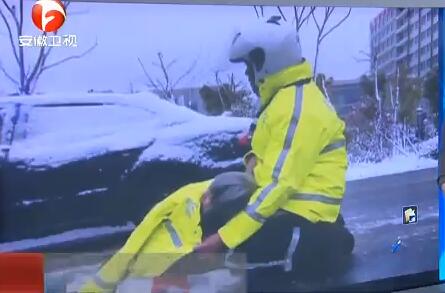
[395, 165]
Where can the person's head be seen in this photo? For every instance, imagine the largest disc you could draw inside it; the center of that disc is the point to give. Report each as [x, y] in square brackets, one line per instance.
[266, 48]
[227, 195]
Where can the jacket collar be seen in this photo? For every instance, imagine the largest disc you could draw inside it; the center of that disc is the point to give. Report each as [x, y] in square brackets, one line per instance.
[289, 76]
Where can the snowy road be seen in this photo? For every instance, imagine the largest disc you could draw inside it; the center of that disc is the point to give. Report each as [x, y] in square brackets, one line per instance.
[373, 211]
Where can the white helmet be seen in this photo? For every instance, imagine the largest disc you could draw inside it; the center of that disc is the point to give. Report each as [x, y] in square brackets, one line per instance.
[268, 47]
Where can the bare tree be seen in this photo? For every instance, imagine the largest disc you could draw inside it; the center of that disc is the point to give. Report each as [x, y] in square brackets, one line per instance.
[324, 30]
[281, 13]
[259, 10]
[302, 15]
[166, 85]
[372, 60]
[234, 96]
[29, 72]
[219, 86]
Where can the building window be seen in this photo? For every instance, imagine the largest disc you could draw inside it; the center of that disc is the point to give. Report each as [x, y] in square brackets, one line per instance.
[435, 26]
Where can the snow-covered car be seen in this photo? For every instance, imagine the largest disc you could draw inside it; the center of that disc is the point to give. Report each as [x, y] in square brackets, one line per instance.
[74, 161]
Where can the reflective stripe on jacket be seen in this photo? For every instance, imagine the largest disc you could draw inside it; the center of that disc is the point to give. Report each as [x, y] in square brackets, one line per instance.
[168, 232]
[301, 155]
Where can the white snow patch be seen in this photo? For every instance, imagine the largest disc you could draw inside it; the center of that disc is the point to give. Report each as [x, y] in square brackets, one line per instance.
[33, 201]
[183, 142]
[91, 191]
[395, 165]
[428, 146]
[77, 234]
[358, 227]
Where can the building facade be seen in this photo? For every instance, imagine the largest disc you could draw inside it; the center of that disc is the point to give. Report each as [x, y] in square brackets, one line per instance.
[407, 36]
[345, 94]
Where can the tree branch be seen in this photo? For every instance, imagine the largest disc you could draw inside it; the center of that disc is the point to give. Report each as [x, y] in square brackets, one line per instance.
[164, 69]
[67, 3]
[256, 11]
[361, 59]
[306, 18]
[8, 76]
[299, 19]
[325, 22]
[38, 65]
[70, 58]
[45, 54]
[281, 13]
[171, 63]
[150, 80]
[185, 74]
[12, 12]
[20, 31]
[11, 38]
[315, 20]
[338, 24]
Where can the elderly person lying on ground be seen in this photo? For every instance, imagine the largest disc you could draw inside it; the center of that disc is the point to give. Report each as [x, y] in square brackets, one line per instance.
[173, 228]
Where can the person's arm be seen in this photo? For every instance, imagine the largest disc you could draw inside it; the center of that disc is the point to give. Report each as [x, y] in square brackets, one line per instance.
[291, 152]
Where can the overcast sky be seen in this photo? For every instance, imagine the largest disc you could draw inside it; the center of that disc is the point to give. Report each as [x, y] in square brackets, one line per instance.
[186, 33]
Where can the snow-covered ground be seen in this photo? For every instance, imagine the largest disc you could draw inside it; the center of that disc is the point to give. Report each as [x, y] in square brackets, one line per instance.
[78, 234]
[394, 165]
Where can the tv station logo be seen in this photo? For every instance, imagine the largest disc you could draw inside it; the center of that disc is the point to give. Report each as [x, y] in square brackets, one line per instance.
[410, 215]
[48, 16]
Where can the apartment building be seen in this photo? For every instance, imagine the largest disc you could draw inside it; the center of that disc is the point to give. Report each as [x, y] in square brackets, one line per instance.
[405, 36]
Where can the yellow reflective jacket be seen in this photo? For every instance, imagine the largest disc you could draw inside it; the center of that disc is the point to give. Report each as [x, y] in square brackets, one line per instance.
[168, 232]
[301, 155]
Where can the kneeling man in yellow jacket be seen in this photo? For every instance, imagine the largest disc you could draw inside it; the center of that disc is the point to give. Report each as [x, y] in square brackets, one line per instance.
[173, 228]
[300, 150]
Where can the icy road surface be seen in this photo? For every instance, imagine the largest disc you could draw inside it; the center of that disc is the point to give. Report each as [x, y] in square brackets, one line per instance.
[373, 211]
